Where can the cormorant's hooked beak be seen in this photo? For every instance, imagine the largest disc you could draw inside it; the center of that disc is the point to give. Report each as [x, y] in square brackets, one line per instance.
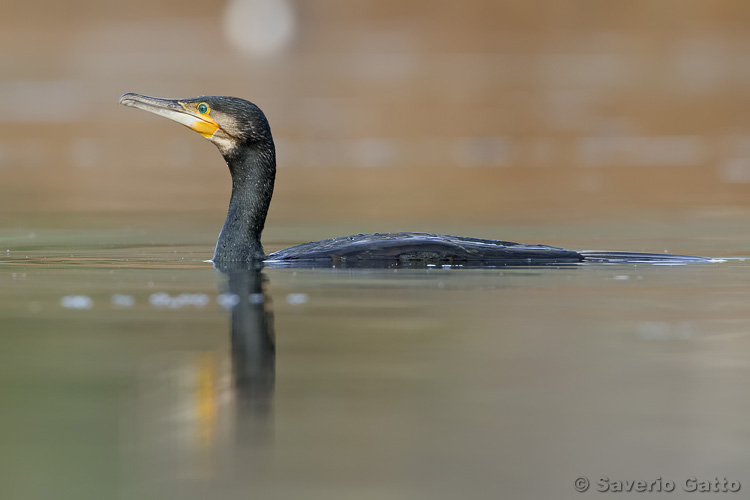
[186, 113]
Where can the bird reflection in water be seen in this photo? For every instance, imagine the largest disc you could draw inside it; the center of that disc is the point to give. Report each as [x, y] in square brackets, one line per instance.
[253, 352]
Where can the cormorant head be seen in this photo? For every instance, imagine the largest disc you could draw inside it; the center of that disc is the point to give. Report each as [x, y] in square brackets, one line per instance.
[228, 122]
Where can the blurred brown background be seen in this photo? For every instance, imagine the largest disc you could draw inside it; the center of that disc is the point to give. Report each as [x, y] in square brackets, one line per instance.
[404, 112]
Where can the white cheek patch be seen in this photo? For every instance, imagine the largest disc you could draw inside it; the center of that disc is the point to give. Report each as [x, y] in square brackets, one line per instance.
[223, 142]
[221, 136]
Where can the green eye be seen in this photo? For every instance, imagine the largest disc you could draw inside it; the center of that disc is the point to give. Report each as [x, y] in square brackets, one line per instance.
[203, 108]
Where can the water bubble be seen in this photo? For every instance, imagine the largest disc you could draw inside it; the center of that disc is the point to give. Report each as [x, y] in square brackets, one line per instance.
[297, 298]
[121, 300]
[196, 299]
[162, 299]
[228, 300]
[76, 302]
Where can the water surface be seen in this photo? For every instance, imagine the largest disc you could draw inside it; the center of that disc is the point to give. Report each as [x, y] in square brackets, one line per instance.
[140, 371]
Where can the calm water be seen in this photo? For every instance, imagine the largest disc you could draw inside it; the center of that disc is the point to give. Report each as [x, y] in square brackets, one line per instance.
[141, 372]
[130, 369]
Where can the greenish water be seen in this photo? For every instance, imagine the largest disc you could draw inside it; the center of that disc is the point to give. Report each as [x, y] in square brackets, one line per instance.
[135, 370]
[130, 369]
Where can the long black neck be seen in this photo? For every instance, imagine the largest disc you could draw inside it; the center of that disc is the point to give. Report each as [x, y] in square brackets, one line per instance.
[253, 170]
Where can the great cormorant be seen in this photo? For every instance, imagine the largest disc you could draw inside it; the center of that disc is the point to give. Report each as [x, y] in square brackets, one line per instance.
[241, 132]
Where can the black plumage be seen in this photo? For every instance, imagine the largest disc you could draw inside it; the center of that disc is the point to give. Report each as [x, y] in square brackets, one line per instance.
[241, 132]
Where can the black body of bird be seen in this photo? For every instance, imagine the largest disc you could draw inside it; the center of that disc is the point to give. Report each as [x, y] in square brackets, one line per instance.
[241, 132]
